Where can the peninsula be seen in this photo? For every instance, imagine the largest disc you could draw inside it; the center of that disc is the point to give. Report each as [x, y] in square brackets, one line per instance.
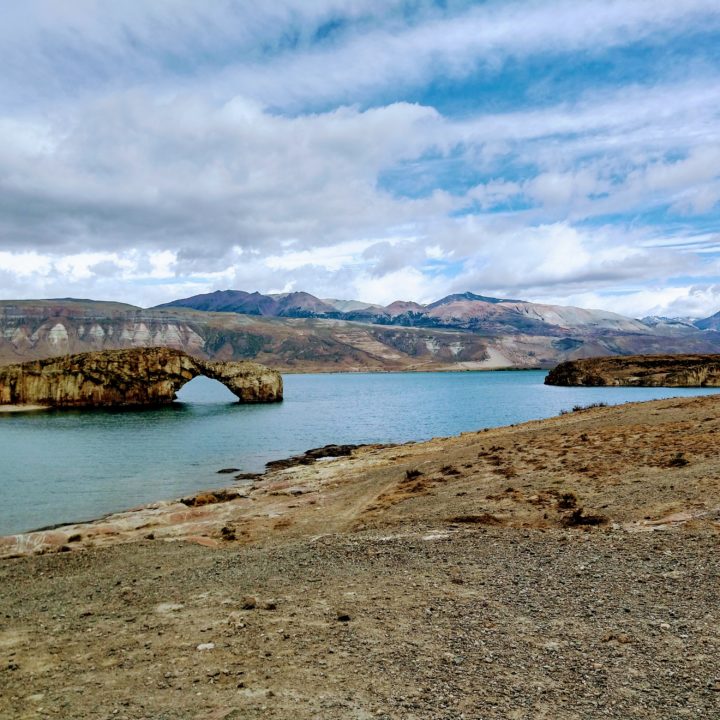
[639, 371]
[123, 378]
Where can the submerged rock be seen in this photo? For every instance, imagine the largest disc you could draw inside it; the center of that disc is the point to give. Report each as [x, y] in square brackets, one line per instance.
[311, 456]
[118, 378]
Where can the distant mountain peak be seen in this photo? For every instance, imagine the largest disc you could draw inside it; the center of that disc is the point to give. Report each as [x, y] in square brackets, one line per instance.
[655, 320]
[345, 334]
[458, 297]
[709, 323]
[350, 305]
[253, 303]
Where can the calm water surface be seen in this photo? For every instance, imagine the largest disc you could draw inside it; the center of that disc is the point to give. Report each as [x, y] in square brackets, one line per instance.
[74, 465]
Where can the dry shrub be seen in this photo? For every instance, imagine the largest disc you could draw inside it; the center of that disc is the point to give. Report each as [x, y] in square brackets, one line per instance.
[578, 518]
[481, 519]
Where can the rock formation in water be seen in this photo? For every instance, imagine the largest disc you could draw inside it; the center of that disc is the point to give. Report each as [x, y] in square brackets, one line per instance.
[116, 378]
[640, 371]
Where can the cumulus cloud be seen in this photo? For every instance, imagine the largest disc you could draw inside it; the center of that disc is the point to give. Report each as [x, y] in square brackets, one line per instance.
[157, 149]
[191, 177]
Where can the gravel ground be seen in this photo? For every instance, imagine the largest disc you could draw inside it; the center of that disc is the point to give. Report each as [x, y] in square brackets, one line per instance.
[445, 623]
[564, 569]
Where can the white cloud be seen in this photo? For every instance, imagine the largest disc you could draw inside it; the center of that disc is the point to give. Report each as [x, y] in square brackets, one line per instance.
[24, 264]
[193, 186]
[685, 301]
[189, 176]
[697, 301]
[558, 189]
[331, 258]
[487, 35]
[144, 156]
[549, 255]
[403, 284]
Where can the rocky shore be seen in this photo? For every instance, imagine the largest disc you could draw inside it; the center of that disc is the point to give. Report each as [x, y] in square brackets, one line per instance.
[639, 371]
[565, 568]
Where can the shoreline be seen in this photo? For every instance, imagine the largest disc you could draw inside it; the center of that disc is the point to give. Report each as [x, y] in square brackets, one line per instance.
[241, 480]
[23, 408]
[208, 505]
[403, 371]
[555, 568]
[282, 461]
[211, 487]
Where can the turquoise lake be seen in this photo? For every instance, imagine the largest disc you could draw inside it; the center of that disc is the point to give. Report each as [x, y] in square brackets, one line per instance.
[64, 466]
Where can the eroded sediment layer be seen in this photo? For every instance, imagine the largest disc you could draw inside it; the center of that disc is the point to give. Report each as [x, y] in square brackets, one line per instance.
[116, 378]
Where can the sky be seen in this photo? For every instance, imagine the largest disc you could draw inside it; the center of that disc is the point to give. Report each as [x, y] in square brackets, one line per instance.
[558, 151]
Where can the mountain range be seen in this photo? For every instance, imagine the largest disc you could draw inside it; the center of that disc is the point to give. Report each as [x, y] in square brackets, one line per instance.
[465, 311]
[300, 332]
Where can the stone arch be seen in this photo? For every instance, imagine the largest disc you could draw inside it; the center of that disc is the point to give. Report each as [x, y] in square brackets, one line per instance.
[249, 382]
[141, 376]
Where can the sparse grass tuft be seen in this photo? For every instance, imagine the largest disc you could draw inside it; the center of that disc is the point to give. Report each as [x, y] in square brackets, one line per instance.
[580, 408]
[567, 501]
[449, 470]
[482, 519]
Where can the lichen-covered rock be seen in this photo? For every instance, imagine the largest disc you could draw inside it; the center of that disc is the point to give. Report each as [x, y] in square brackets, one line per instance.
[640, 371]
[141, 376]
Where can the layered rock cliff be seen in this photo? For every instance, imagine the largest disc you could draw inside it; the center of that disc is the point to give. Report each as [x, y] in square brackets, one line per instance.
[640, 371]
[460, 332]
[38, 329]
[117, 378]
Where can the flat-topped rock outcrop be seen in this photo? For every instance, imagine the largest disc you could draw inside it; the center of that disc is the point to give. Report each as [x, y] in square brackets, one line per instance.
[640, 371]
[118, 378]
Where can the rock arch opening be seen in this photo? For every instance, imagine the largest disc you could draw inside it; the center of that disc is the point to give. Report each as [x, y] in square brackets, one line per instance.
[204, 390]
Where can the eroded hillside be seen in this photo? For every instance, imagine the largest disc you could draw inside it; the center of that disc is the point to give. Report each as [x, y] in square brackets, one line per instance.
[456, 333]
